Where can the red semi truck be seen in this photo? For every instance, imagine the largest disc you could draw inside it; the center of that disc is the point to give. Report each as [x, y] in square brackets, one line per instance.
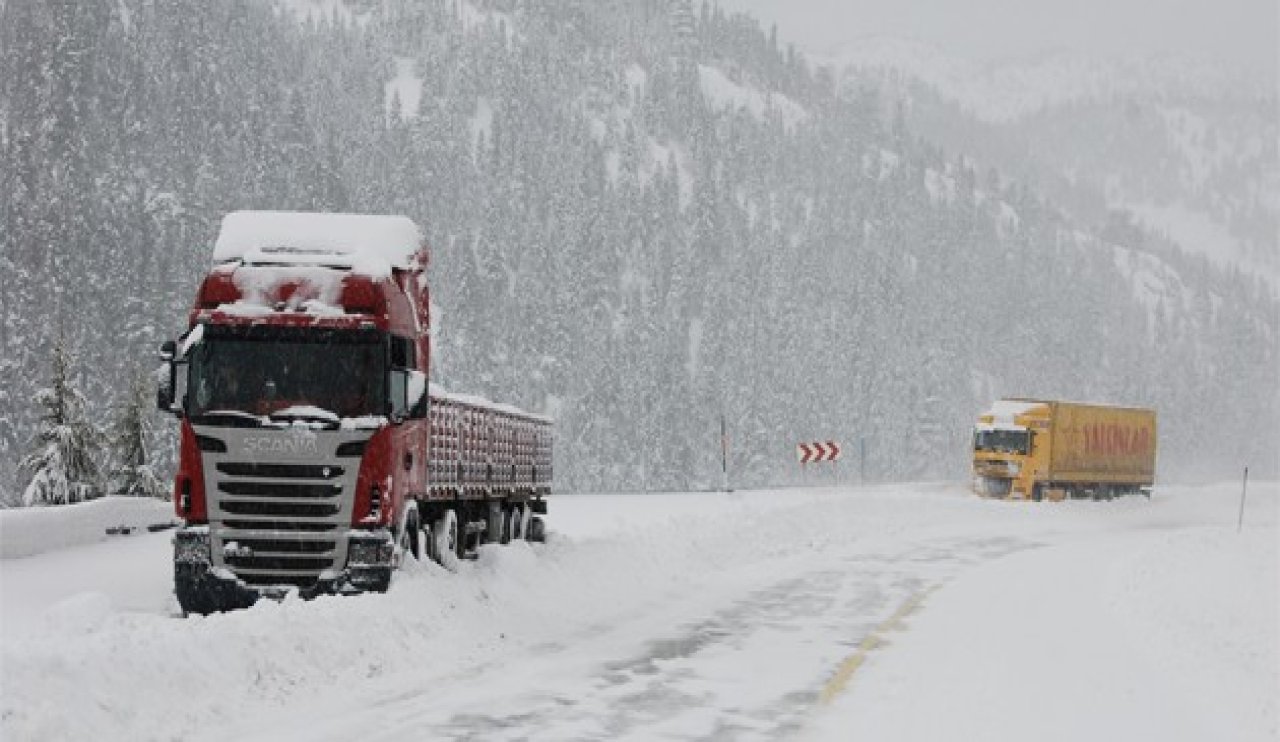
[314, 455]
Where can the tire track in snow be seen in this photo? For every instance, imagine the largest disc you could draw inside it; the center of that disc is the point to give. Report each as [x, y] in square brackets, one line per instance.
[754, 669]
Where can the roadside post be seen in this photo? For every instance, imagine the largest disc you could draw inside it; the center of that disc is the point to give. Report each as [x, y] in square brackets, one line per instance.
[1243, 489]
[862, 460]
[724, 455]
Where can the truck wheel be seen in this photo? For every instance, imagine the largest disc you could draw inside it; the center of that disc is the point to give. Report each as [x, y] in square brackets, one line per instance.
[429, 542]
[446, 541]
[496, 524]
[517, 523]
[508, 526]
[526, 518]
[537, 530]
[410, 538]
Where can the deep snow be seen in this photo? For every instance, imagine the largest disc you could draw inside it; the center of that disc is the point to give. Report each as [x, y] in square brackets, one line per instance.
[696, 616]
[30, 531]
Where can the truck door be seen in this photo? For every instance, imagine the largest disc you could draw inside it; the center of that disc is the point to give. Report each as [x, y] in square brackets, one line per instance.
[410, 436]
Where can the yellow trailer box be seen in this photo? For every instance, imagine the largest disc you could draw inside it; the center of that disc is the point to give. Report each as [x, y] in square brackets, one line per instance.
[1045, 449]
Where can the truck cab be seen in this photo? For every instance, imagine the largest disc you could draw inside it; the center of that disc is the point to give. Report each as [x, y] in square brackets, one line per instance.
[1007, 452]
[301, 390]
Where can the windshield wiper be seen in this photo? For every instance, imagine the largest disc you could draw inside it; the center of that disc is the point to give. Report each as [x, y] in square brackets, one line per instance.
[228, 418]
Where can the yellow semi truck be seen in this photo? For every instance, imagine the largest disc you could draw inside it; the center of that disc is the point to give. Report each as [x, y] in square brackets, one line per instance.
[1033, 449]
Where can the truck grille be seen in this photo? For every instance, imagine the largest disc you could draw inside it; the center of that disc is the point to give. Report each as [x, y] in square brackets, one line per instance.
[278, 563]
[293, 471]
[280, 522]
[278, 525]
[286, 509]
[259, 489]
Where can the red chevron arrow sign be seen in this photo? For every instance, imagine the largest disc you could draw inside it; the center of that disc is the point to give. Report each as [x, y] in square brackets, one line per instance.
[810, 453]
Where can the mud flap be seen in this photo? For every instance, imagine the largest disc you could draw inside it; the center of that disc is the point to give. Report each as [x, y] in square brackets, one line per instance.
[537, 530]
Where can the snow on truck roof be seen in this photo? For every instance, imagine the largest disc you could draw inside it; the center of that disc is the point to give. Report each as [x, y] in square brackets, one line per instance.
[439, 392]
[364, 243]
[1003, 413]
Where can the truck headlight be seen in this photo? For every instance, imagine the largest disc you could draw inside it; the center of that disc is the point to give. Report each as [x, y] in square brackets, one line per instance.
[191, 547]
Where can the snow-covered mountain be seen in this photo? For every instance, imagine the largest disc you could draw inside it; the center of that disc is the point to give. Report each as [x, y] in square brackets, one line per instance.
[1184, 146]
[1015, 88]
[644, 219]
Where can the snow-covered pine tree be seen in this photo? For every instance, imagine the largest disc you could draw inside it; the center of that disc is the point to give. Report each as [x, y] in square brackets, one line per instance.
[64, 463]
[131, 470]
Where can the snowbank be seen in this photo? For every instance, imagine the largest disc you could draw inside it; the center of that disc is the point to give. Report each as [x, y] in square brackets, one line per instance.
[121, 675]
[689, 616]
[29, 531]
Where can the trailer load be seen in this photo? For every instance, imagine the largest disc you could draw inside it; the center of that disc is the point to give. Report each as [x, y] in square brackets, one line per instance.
[314, 455]
[1041, 449]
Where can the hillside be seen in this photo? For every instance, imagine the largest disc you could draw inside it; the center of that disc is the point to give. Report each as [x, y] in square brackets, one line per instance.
[643, 217]
[1182, 146]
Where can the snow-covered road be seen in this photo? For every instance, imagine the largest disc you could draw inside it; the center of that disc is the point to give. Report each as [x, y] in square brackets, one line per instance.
[895, 612]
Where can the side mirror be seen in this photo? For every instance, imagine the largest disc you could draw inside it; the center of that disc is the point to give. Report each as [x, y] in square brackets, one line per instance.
[167, 379]
[164, 377]
[164, 388]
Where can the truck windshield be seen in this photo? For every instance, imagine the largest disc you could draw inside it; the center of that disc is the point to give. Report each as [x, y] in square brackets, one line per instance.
[1002, 441]
[319, 377]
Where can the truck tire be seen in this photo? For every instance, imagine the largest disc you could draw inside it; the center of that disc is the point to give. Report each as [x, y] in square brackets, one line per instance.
[508, 527]
[410, 536]
[446, 541]
[494, 523]
[526, 518]
[517, 523]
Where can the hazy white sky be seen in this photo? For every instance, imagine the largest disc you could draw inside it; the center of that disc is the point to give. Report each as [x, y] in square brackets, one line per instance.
[1243, 32]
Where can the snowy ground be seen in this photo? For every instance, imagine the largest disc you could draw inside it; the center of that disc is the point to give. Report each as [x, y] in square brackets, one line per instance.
[905, 612]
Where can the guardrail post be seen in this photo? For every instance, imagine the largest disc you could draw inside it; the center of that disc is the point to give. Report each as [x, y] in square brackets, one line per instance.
[1243, 489]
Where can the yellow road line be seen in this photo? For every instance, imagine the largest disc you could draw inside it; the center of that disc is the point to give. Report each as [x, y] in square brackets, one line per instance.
[874, 640]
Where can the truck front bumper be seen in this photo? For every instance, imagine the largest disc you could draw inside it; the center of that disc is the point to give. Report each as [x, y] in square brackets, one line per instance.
[203, 586]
